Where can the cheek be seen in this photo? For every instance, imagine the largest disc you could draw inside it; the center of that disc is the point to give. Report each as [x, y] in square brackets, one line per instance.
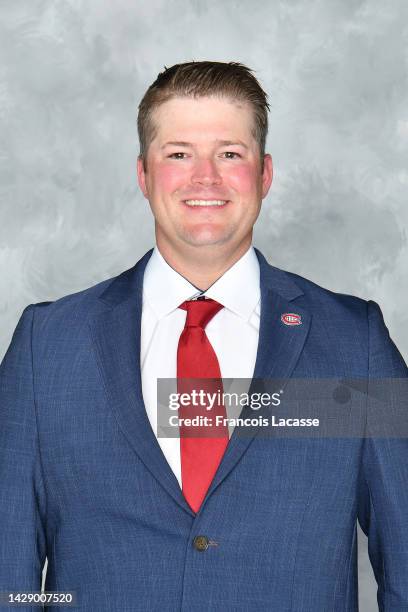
[244, 179]
[168, 178]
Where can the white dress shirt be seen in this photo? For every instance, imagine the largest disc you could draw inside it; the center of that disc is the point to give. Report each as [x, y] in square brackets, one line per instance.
[233, 331]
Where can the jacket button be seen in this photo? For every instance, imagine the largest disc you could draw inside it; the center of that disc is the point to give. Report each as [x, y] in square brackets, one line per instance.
[200, 543]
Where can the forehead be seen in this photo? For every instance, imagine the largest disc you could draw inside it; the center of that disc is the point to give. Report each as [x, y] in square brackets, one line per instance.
[202, 119]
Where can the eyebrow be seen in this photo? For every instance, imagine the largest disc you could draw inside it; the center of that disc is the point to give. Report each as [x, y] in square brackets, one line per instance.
[222, 143]
[230, 143]
[177, 143]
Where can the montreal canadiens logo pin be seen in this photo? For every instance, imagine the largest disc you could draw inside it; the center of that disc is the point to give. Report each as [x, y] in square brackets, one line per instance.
[291, 318]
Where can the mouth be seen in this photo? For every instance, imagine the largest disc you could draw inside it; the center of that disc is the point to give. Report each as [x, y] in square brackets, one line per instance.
[206, 203]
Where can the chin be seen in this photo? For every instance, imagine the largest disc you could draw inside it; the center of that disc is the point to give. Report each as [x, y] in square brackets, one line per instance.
[206, 238]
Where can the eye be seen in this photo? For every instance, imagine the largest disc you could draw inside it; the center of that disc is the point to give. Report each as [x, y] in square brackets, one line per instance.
[178, 155]
[231, 155]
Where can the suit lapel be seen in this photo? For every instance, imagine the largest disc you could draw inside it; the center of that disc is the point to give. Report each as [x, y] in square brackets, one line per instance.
[279, 349]
[116, 340]
[280, 345]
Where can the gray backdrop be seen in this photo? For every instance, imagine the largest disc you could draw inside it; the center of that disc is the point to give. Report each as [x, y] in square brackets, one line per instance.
[71, 76]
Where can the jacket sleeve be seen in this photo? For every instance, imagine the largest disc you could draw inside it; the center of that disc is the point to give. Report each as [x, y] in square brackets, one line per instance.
[383, 499]
[22, 491]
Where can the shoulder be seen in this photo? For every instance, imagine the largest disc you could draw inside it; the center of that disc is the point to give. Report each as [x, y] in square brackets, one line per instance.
[322, 300]
[83, 305]
[350, 324]
[60, 329]
[308, 294]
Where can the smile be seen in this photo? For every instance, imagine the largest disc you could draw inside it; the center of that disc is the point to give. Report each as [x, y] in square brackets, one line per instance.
[205, 202]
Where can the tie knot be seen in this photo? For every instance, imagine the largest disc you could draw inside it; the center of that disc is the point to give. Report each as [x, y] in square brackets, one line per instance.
[200, 312]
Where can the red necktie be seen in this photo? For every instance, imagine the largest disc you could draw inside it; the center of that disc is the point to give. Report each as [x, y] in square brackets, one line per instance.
[201, 447]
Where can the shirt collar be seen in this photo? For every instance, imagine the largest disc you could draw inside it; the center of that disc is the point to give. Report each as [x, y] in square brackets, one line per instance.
[163, 287]
[237, 289]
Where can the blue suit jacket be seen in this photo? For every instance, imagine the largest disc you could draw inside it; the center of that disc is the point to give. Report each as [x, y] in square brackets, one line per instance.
[84, 482]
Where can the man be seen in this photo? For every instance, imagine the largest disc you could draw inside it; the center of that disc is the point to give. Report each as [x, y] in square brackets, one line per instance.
[132, 521]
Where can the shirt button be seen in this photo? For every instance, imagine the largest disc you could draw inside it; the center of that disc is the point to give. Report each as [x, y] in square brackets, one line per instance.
[200, 543]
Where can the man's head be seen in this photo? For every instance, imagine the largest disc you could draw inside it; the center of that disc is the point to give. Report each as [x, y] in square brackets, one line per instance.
[202, 164]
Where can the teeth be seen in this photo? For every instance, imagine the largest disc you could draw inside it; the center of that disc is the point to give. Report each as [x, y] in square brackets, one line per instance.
[205, 202]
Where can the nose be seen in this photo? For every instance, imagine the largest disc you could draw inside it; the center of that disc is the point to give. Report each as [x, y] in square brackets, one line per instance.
[205, 172]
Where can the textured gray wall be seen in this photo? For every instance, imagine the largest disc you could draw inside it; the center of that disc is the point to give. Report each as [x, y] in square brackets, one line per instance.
[71, 76]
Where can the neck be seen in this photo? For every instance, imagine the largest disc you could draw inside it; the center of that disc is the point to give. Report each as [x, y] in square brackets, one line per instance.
[203, 265]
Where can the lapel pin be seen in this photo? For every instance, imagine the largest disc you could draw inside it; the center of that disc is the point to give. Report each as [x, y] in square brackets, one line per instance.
[291, 318]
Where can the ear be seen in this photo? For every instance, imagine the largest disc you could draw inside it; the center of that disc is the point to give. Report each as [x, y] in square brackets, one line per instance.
[141, 175]
[267, 175]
